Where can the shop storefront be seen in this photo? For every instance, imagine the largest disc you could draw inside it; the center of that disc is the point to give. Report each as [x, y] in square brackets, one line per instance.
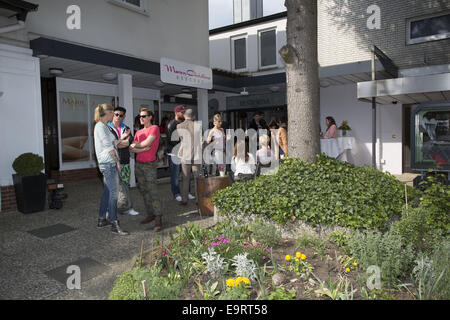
[76, 102]
[241, 109]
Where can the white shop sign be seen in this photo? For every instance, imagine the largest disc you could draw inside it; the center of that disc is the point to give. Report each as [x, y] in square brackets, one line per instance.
[185, 74]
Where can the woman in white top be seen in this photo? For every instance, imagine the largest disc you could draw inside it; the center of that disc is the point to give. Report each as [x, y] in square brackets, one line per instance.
[217, 136]
[243, 162]
[264, 155]
[109, 165]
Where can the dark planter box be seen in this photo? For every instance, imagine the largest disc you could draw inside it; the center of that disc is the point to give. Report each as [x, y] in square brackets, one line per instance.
[30, 192]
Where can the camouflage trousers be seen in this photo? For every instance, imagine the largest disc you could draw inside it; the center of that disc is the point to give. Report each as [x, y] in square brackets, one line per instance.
[124, 197]
[146, 181]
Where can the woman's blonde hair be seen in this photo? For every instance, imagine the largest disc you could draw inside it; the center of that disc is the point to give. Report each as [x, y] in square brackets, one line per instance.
[100, 111]
[264, 140]
[217, 117]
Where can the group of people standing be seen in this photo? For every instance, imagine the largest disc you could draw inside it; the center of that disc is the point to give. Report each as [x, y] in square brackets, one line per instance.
[115, 144]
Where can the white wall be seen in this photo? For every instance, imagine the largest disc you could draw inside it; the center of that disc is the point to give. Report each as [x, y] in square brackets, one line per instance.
[173, 28]
[20, 106]
[220, 46]
[341, 103]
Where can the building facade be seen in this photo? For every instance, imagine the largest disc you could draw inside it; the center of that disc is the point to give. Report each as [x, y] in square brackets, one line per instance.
[415, 35]
[58, 60]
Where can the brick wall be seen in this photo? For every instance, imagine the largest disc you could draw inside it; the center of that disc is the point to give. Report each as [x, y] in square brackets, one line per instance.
[8, 199]
[344, 36]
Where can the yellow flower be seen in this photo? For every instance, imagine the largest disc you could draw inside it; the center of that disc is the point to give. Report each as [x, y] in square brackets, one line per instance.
[288, 257]
[246, 281]
[238, 281]
[303, 257]
[298, 255]
[231, 283]
[296, 260]
[347, 269]
[355, 264]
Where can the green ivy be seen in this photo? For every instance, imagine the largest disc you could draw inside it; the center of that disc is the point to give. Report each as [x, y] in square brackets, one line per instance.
[328, 192]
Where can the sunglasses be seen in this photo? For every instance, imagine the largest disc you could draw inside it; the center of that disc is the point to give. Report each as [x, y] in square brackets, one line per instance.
[119, 115]
[143, 117]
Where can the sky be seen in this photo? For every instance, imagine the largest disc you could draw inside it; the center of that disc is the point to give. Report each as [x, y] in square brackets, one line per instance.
[221, 11]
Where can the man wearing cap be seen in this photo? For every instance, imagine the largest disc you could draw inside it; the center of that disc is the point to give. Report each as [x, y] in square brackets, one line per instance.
[175, 166]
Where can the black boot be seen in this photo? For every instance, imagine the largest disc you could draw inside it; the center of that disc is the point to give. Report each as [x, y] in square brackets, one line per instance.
[116, 228]
[158, 223]
[103, 223]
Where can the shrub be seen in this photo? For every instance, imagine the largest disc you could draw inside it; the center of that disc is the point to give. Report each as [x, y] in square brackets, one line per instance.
[265, 233]
[436, 198]
[328, 192]
[415, 228]
[129, 285]
[441, 263]
[282, 294]
[387, 251]
[28, 164]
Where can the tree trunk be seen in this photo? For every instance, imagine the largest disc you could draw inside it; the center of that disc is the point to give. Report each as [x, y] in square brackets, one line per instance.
[302, 79]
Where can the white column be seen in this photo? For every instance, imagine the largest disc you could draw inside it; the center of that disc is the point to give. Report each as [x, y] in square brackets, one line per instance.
[126, 101]
[202, 107]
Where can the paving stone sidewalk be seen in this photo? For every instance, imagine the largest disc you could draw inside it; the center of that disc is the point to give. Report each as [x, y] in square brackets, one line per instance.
[36, 249]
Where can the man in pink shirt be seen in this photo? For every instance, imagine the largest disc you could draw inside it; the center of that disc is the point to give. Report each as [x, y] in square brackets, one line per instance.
[145, 144]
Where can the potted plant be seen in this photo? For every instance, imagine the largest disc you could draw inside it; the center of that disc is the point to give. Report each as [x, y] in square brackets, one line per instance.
[344, 127]
[222, 171]
[29, 183]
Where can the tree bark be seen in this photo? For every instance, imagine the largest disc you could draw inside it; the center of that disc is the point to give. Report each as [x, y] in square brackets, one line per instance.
[302, 79]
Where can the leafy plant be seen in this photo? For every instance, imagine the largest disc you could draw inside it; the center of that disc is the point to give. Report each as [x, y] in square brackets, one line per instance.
[441, 263]
[299, 265]
[328, 192]
[415, 228]
[425, 279]
[387, 251]
[214, 263]
[209, 291]
[244, 267]
[340, 289]
[377, 294]
[265, 233]
[282, 294]
[309, 241]
[129, 285]
[236, 289]
[28, 164]
[340, 238]
[436, 198]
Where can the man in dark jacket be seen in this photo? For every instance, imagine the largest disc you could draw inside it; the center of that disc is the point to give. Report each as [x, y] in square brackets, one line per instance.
[124, 137]
[175, 168]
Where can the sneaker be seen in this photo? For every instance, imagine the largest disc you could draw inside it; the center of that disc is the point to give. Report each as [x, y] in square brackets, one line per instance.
[132, 212]
[191, 197]
[178, 198]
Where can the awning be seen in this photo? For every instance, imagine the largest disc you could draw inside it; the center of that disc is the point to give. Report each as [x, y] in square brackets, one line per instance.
[407, 90]
[20, 8]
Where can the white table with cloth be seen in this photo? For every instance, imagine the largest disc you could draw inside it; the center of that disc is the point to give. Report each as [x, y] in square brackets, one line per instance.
[338, 148]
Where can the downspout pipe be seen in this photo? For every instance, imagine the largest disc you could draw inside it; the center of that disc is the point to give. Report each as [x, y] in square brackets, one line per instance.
[15, 27]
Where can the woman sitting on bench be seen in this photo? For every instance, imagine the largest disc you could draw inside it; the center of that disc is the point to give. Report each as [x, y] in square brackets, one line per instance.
[243, 163]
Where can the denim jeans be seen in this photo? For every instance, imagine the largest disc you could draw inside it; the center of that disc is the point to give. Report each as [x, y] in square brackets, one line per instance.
[108, 201]
[175, 170]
